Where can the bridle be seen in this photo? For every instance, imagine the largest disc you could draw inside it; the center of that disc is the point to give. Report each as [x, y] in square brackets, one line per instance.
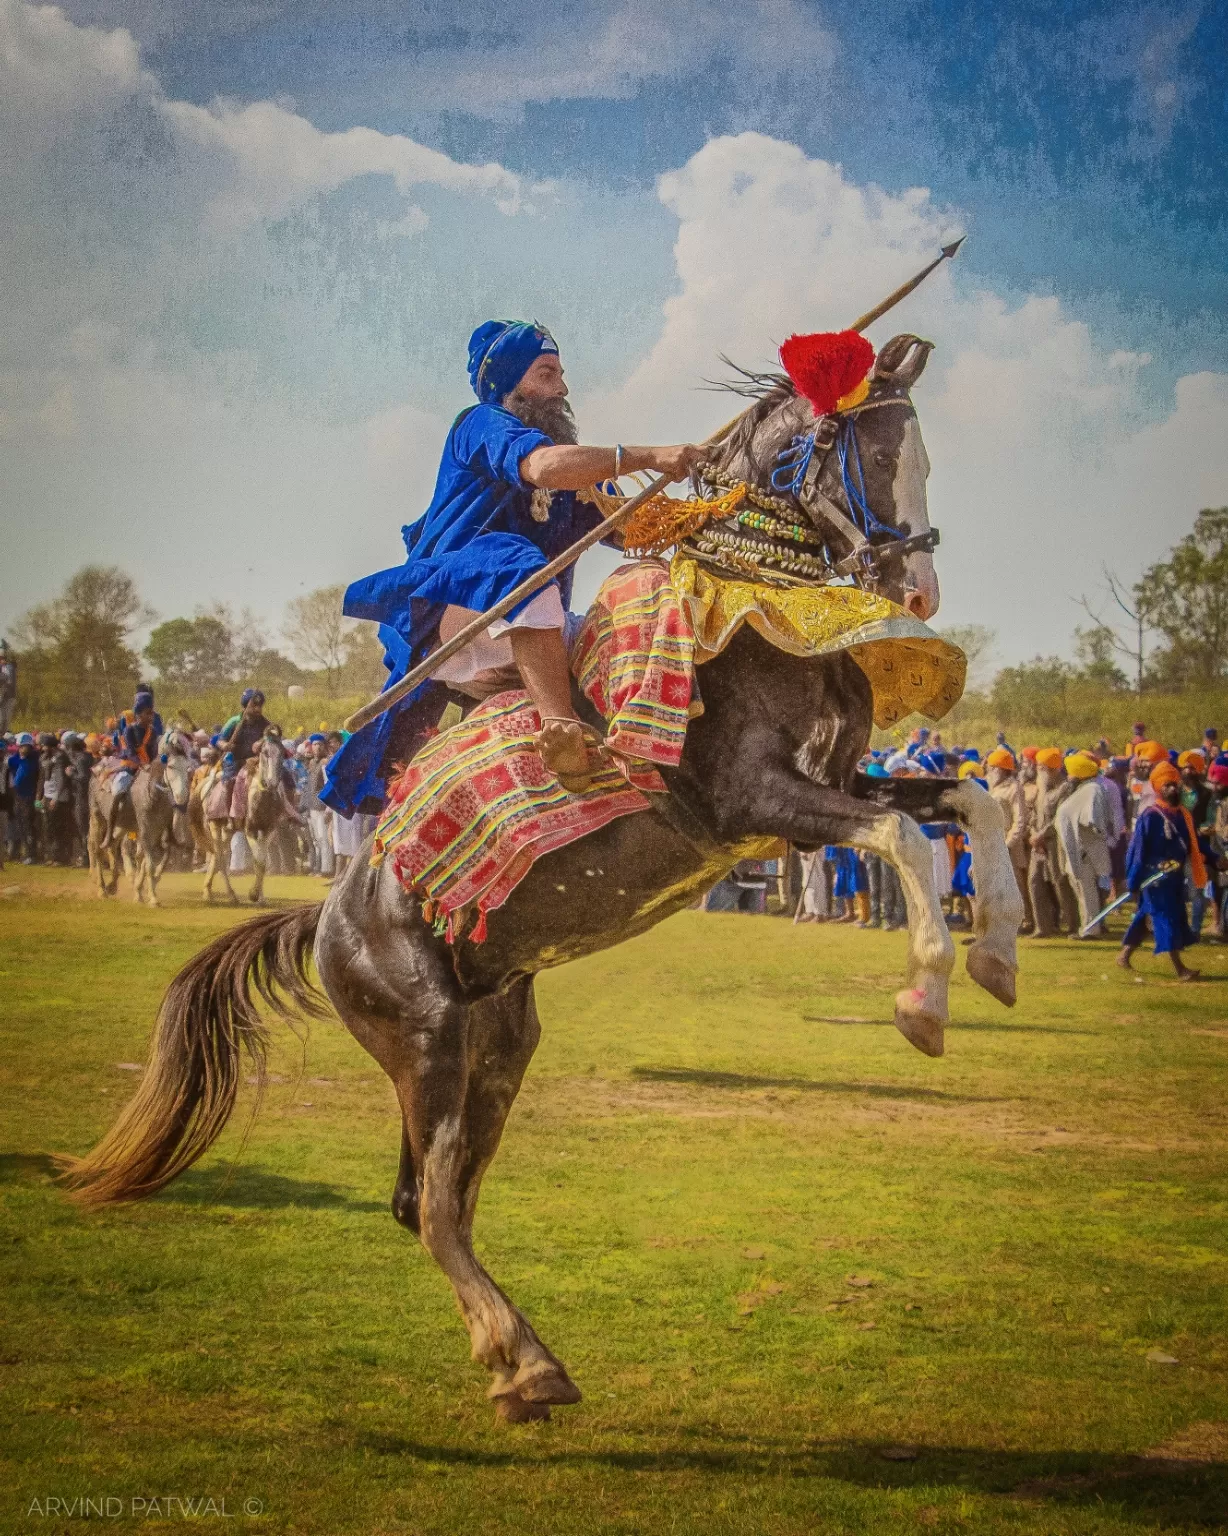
[797, 552]
[268, 746]
[161, 783]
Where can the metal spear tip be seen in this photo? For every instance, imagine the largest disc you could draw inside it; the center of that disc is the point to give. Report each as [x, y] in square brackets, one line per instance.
[949, 250]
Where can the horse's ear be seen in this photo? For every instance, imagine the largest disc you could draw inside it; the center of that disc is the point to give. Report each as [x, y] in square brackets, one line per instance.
[902, 360]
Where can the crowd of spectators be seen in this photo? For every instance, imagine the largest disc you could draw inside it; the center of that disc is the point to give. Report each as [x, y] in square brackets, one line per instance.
[1079, 833]
[45, 779]
[1084, 825]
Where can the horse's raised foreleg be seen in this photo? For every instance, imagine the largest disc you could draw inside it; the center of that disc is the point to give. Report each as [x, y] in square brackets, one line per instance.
[784, 802]
[997, 906]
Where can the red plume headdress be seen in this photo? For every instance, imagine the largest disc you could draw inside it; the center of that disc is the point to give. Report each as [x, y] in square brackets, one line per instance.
[827, 366]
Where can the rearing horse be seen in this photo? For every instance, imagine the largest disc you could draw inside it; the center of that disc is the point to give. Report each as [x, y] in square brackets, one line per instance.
[774, 755]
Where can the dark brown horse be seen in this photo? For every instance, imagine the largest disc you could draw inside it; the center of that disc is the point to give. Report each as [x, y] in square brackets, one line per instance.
[773, 756]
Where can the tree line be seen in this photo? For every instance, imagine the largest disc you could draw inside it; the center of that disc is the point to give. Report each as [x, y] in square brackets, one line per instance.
[78, 661]
[1166, 635]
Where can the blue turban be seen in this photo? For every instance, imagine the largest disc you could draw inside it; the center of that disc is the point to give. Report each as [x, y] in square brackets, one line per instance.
[876, 771]
[143, 700]
[501, 353]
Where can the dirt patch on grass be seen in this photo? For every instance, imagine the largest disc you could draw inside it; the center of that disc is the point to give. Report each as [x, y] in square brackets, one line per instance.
[1205, 1443]
[687, 1094]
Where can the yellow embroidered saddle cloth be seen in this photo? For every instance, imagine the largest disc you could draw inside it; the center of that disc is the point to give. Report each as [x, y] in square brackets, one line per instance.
[909, 667]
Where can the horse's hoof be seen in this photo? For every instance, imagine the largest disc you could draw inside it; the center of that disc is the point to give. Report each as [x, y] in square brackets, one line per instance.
[993, 973]
[548, 1384]
[511, 1408]
[919, 1028]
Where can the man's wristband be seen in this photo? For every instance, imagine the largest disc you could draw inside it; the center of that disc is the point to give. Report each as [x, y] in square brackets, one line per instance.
[618, 460]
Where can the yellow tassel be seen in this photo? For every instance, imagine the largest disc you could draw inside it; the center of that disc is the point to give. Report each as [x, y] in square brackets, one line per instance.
[665, 521]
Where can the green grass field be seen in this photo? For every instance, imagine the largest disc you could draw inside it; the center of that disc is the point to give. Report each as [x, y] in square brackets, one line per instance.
[719, 1130]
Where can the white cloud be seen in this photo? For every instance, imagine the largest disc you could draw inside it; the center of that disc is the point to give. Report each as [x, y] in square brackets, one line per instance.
[211, 315]
[278, 161]
[1046, 459]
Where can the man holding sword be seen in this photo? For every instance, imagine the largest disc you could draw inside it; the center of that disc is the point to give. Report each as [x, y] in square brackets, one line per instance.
[1163, 841]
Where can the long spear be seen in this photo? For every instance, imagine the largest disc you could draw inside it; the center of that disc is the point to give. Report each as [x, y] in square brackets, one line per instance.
[534, 583]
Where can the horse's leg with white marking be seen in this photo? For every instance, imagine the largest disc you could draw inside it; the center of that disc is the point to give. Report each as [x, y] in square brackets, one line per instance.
[220, 834]
[997, 908]
[259, 852]
[788, 803]
[921, 1010]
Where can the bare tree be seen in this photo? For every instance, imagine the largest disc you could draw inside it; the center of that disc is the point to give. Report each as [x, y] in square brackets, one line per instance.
[1135, 651]
[319, 633]
[977, 643]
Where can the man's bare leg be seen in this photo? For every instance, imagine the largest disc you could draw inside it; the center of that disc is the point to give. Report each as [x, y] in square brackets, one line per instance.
[541, 658]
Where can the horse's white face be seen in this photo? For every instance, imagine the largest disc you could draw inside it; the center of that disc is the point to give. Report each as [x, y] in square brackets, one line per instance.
[912, 468]
[179, 777]
[271, 759]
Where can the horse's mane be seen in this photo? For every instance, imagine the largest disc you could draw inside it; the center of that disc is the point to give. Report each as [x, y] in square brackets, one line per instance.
[766, 390]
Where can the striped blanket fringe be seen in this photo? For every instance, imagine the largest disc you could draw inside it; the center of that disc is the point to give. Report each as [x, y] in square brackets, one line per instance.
[477, 807]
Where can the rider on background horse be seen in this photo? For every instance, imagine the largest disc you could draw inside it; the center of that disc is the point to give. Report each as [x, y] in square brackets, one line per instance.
[244, 732]
[137, 733]
[504, 506]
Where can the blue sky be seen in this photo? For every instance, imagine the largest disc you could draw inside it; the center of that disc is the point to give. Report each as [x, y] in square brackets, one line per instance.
[236, 306]
[1086, 144]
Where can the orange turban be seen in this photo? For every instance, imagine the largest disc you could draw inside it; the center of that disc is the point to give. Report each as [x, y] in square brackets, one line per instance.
[1049, 757]
[1194, 760]
[1082, 765]
[1163, 773]
[1001, 758]
[1150, 752]
[1029, 754]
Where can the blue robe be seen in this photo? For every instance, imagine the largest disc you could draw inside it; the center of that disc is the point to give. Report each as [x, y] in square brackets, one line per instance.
[1158, 837]
[476, 542]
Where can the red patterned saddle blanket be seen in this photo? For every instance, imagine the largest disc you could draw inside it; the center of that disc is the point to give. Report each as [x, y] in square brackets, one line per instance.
[477, 806]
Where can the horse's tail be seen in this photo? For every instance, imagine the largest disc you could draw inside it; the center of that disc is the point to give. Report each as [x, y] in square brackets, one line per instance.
[207, 1019]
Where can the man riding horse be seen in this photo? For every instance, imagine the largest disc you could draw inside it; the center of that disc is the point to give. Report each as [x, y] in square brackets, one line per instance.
[505, 504]
[135, 742]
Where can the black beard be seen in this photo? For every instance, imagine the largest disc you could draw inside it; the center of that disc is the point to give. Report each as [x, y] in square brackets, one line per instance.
[553, 417]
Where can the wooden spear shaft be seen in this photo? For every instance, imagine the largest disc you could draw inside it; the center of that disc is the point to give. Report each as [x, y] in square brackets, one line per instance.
[534, 583]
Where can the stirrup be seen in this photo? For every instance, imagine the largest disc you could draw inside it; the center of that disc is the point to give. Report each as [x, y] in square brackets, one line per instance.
[575, 782]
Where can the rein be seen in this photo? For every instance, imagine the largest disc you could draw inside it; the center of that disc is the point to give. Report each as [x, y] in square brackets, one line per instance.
[768, 545]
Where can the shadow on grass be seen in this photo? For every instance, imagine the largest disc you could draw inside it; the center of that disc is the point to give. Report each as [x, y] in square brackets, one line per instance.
[256, 1189]
[26, 1167]
[702, 1079]
[957, 1025]
[1138, 1490]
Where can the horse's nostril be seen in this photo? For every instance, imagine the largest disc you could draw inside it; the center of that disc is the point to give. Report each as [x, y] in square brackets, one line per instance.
[917, 604]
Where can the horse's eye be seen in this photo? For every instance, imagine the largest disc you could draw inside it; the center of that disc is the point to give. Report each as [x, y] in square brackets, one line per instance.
[883, 458]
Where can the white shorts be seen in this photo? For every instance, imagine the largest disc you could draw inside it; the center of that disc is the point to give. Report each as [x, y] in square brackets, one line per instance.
[494, 647]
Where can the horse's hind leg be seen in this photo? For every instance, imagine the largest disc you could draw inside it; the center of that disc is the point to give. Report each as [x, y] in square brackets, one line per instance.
[503, 1034]
[454, 1129]
[456, 1068]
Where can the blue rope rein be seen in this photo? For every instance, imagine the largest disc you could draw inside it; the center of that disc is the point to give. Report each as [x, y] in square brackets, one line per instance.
[792, 463]
[853, 478]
